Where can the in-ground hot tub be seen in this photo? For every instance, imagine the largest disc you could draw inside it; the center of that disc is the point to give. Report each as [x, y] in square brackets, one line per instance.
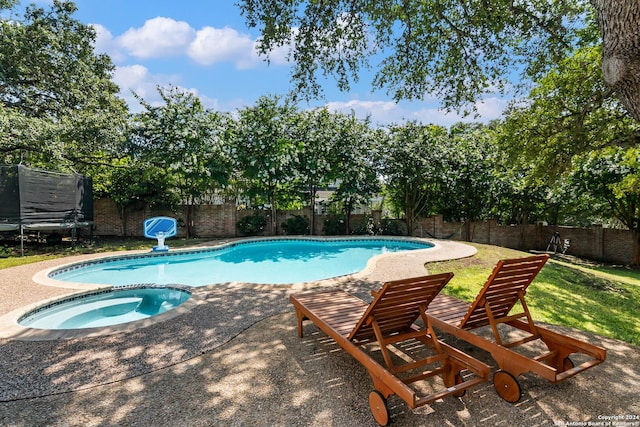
[106, 307]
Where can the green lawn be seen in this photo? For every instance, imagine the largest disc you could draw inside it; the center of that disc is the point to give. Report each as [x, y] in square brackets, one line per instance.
[34, 252]
[593, 299]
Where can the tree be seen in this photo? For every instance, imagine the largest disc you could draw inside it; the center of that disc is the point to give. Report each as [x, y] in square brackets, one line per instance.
[453, 49]
[569, 112]
[356, 164]
[413, 168]
[613, 174]
[137, 185]
[185, 140]
[317, 134]
[265, 150]
[469, 179]
[58, 105]
[618, 22]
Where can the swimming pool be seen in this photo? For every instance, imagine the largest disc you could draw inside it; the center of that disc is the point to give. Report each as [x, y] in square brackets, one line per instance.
[263, 261]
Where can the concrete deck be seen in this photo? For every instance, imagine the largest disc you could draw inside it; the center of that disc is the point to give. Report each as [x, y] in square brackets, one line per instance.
[233, 358]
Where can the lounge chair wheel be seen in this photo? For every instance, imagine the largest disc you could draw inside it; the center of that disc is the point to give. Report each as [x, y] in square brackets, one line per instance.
[507, 386]
[378, 405]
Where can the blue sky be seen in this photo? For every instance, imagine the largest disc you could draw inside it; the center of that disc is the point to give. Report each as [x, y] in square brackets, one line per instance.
[205, 47]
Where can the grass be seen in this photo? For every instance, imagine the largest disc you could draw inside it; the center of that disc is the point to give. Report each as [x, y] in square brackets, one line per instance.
[601, 300]
[35, 252]
[604, 301]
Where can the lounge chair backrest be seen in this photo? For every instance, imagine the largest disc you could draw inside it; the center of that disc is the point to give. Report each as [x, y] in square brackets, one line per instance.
[508, 281]
[398, 304]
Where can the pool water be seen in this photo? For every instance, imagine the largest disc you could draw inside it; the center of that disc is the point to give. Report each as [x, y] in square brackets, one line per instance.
[277, 261]
[105, 308]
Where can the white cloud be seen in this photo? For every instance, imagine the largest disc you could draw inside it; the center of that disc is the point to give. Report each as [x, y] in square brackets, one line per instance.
[486, 110]
[492, 108]
[388, 112]
[278, 55]
[166, 37]
[158, 37]
[379, 111]
[136, 78]
[213, 45]
[105, 43]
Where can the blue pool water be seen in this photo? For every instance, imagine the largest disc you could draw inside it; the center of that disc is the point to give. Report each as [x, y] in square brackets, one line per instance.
[105, 308]
[277, 261]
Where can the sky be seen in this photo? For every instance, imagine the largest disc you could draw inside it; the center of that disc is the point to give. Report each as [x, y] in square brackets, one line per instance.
[205, 47]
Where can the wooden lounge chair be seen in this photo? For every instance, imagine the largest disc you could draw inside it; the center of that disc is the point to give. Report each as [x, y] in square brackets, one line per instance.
[389, 321]
[505, 287]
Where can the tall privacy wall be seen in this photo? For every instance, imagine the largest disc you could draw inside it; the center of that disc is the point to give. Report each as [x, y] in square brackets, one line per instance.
[217, 221]
[595, 242]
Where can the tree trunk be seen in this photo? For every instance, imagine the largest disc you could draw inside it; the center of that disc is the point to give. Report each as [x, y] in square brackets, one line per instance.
[409, 218]
[189, 220]
[635, 261]
[347, 217]
[619, 22]
[274, 219]
[312, 230]
[123, 218]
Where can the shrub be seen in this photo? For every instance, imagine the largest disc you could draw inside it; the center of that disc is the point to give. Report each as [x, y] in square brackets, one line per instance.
[297, 224]
[392, 227]
[335, 225]
[251, 225]
[367, 226]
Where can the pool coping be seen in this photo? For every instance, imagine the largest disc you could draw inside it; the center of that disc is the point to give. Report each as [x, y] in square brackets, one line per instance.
[381, 268]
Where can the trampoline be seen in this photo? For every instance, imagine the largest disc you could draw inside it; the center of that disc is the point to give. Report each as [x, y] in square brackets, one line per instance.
[39, 200]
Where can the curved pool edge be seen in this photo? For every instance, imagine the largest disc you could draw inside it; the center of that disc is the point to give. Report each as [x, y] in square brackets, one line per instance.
[12, 330]
[401, 265]
[440, 250]
[381, 268]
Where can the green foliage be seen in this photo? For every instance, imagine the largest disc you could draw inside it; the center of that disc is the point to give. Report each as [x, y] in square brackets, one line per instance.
[470, 162]
[452, 50]
[186, 142]
[613, 175]
[569, 112]
[183, 139]
[335, 225]
[140, 186]
[296, 225]
[431, 170]
[392, 227]
[413, 168]
[264, 153]
[316, 133]
[356, 164]
[251, 225]
[58, 106]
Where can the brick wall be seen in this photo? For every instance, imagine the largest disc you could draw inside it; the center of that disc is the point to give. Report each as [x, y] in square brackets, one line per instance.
[215, 221]
[595, 242]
